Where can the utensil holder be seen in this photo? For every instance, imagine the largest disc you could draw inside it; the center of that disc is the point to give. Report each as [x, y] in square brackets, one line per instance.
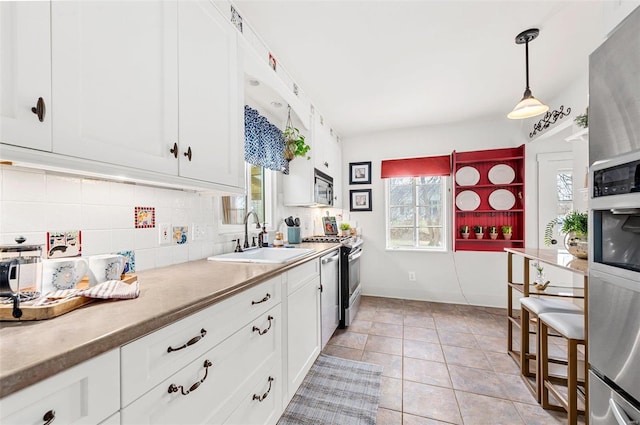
[293, 235]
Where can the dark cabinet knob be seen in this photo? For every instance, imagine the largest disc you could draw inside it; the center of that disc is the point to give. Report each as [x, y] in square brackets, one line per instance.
[174, 150]
[188, 153]
[40, 109]
[49, 417]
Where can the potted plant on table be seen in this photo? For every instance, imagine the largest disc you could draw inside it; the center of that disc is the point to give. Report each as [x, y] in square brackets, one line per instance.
[479, 231]
[464, 231]
[345, 228]
[493, 232]
[507, 232]
[574, 226]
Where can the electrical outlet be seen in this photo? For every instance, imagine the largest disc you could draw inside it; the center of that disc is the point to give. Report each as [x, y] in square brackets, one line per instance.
[164, 233]
[412, 276]
[198, 232]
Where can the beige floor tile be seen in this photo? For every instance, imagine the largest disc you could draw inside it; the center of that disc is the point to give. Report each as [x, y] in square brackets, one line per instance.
[343, 352]
[360, 326]
[431, 402]
[366, 313]
[476, 381]
[483, 410]
[419, 320]
[419, 420]
[426, 372]
[469, 357]
[349, 339]
[423, 350]
[392, 365]
[395, 318]
[384, 344]
[458, 339]
[515, 389]
[421, 334]
[389, 417]
[391, 393]
[492, 343]
[386, 329]
[502, 362]
[534, 414]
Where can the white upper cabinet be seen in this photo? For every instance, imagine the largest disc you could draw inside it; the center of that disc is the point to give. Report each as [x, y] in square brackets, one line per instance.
[25, 74]
[210, 89]
[115, 82]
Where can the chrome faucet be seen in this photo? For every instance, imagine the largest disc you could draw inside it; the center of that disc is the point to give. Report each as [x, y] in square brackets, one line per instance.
[246, 232]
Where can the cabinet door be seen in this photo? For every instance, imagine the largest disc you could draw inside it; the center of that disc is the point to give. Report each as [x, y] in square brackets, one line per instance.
[25, 73]
[84, 394]
[209, 96]
[303, 332]
[334, 158]
[114, 66]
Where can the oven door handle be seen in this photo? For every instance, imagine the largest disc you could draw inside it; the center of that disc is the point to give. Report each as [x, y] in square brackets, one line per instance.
[355, 255]
[621, 417]
[330, 259]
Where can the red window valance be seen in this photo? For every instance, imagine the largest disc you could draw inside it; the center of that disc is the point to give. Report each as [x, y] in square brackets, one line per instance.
[416, 167]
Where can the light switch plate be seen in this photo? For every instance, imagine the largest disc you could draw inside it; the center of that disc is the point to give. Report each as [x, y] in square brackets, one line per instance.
[164, 233]
[198, 232]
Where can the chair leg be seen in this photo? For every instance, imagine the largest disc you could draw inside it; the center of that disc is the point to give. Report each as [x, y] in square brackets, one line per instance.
[524, 341]
[539, 380]
[572, 381]
[543, 363]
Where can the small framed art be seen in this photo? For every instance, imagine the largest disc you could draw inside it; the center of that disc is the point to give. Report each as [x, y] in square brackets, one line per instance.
[360, 200]
[360, 172]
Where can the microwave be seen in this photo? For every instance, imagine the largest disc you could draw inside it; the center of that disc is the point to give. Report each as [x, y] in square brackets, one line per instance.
[323, 188]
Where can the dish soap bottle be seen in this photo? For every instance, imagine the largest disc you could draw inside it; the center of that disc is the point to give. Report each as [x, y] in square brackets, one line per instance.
[263, 237]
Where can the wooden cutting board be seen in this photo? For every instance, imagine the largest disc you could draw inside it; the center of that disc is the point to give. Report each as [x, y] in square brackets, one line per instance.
[49, 311]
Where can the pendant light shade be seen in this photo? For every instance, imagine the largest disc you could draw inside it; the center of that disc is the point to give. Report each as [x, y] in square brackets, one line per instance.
[529, 106]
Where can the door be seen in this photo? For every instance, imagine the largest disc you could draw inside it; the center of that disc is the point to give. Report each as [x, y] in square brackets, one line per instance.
[211, 146]
[555, 193]
[329, 297]
[25, 74]
[115, 82]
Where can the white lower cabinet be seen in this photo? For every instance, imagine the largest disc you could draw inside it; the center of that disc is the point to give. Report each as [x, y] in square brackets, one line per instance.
[85, 394]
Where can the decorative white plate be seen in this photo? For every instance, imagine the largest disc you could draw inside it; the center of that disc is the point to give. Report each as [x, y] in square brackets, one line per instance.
[501, 174]
[467, 200]
[467, 176]
[502, 199]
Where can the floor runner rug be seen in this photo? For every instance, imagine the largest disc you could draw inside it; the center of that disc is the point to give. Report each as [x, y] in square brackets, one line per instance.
[336, 391]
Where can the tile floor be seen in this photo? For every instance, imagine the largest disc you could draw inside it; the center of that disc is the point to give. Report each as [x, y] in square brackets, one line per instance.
[443, 364]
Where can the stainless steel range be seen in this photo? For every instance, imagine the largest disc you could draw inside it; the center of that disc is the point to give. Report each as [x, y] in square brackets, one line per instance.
[350, 290]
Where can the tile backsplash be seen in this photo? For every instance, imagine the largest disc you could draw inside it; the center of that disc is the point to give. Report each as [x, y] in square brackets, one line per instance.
[33, 202]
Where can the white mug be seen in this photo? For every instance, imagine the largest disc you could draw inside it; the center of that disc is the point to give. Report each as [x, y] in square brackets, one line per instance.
[105, 267]
[62, 273]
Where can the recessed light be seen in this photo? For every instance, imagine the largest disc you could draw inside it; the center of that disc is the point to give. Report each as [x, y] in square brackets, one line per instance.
[253, 82]
[276, 104]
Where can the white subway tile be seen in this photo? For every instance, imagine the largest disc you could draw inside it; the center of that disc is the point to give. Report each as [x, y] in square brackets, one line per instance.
[122, 194]
[63, 189]
[180, 253]
[145, 238]
[63, 217]
[95, 192]
[122, 240]
[32, 238]
[96, 217]
[195, 250]
[20, 185]
[164, 256]
[145, 260]
[144, 196]
[122, 217]
[22, 216]
[207, 250]
[163, 215]
[180, 217]
[96, 242]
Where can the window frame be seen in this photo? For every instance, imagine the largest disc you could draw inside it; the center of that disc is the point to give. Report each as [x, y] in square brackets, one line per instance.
[269, 201]
[446, 219]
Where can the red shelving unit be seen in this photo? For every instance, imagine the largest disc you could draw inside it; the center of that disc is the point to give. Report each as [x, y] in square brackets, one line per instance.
[484, 215]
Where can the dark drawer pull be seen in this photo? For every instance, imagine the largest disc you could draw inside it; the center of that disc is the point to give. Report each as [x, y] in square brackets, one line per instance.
[257, 329]
[188, 153]
[50, 416]
[174, 151]
[266, 298]
[261, 398]
[40, 110]
[173, 388]
[192, 341]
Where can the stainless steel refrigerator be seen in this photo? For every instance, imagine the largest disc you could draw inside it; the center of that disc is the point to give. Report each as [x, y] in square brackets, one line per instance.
[614, 227]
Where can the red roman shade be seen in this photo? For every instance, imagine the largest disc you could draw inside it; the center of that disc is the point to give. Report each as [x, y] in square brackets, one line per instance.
[416, 167]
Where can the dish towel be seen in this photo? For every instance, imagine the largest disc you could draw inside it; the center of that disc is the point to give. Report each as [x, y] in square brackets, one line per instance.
[111, 289]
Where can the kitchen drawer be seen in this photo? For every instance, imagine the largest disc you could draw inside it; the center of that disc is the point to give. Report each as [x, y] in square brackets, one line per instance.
[222, 385]
[303, 273]
[148, 361]
[85, 394]
[262, 401]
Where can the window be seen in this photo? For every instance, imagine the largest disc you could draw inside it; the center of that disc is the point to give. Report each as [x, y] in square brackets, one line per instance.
[234, 208]
[416, 213]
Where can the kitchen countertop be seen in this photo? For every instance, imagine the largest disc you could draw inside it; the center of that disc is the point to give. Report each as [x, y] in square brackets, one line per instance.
[553, 256]
[35, 350]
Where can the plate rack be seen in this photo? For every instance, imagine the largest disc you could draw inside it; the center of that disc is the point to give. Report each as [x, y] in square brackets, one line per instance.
[484, 215]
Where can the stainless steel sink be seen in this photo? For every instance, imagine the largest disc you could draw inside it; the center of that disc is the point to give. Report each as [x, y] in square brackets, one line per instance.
[264, 255]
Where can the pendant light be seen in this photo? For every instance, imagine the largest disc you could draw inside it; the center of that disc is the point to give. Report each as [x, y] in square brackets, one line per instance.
[529, 106]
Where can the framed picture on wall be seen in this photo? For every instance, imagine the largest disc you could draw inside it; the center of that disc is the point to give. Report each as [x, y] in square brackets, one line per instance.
[360, 172]
[360, 200]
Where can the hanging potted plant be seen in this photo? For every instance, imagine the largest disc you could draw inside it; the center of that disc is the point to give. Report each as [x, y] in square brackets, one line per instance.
[464, 231]
[493, 232]
[574, 226]
[294, 142]
[507, 231]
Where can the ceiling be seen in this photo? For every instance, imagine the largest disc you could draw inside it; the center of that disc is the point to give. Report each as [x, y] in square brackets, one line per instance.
[386, 64]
